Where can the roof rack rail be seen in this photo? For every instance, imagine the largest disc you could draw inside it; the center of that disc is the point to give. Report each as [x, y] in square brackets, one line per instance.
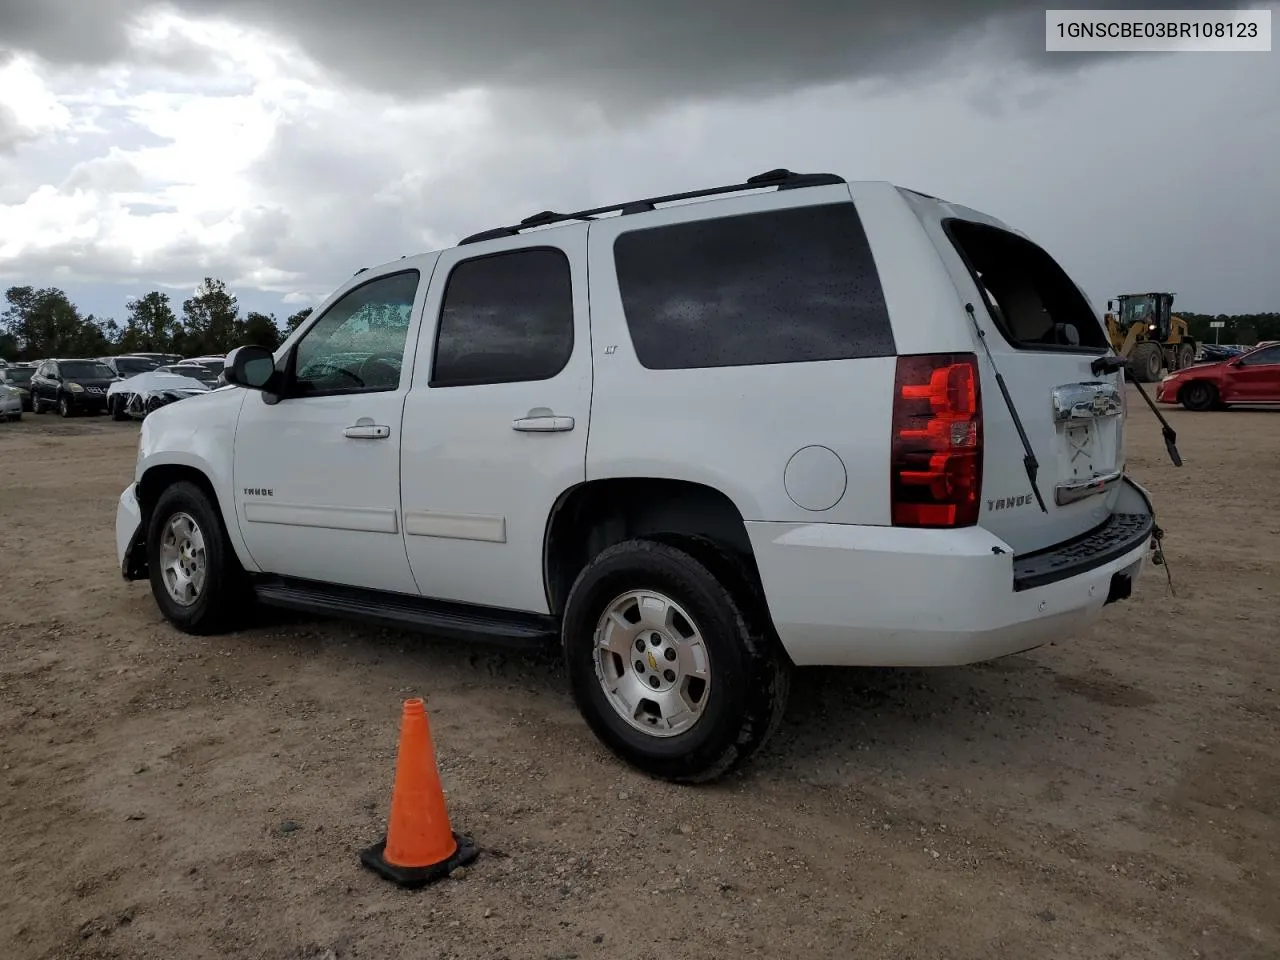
[781, 178]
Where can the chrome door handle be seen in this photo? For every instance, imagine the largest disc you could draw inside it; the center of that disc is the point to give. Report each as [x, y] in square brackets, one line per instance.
[543, 424]
[366, 429]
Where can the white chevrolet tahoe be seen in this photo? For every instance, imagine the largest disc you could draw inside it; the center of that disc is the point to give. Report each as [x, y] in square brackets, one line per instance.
[801, 421]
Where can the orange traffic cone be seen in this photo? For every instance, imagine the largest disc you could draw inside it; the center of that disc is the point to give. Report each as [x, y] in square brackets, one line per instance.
[420, 846]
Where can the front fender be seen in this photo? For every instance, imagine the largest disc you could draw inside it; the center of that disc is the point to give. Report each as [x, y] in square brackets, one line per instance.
[198, 434]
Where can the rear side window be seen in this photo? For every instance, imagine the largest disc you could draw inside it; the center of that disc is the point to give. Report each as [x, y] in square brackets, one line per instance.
[783, 286]
[1030, 298]
[506, 317]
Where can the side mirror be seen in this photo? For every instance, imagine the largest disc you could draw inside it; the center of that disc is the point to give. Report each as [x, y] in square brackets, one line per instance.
[250, 366]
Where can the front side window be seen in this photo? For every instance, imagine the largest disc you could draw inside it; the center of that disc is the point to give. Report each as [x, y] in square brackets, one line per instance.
[1260, 357]
[357, 346]
[506, 318]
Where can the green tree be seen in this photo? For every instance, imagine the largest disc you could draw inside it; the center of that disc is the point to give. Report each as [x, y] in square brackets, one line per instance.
[212, 320]
[262, 330]
[44, 322]
[295, 320]
[151, 325]
[1246, 328]
[94, 337]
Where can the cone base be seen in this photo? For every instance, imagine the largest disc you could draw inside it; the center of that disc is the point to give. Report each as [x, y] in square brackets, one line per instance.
[374, 858]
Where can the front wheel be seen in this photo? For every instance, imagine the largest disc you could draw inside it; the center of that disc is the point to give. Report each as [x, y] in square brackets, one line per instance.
[196, 580]
[64, 407]
[673, 669]
[1198, 396]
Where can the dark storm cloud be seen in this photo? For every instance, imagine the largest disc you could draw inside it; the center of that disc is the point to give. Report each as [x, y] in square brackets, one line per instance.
[637, 54]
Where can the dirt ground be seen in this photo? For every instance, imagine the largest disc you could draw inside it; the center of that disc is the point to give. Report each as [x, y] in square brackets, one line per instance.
[1114, 796]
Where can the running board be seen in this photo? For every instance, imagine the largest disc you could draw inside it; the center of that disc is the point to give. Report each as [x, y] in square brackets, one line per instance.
[455, 621]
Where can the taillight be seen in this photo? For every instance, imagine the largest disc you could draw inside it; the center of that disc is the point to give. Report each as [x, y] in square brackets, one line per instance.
[936, 472]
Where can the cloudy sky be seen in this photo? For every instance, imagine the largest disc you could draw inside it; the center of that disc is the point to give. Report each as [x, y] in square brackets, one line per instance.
[282, 146]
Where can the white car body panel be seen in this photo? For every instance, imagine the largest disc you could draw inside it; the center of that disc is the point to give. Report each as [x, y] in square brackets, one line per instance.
[732, 428]
[1031, 376]
[314, 503]
[477, 493]
[199, 433]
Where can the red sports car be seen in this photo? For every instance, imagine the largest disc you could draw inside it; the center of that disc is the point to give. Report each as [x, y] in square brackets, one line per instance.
[1252, 377]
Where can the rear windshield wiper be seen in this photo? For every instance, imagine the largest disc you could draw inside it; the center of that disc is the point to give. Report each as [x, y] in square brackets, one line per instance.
[1111, 365]
[1029, 461]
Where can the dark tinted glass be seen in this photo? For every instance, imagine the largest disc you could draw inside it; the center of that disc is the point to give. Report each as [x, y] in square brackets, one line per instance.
[128, 365]
[777, 287]
[85, 370]
[1269, 355]
[505, 318]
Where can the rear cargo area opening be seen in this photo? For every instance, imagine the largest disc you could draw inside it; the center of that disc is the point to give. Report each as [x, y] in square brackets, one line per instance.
[1032, 301]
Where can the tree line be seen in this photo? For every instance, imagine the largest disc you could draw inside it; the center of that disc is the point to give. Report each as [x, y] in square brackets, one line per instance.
[1242, 328]
[43, 322]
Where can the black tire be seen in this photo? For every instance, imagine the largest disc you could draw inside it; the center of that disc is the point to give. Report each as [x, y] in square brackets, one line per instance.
[225, 596]
[1198, 396]
[36, 408]
[1186, 356]
[64, 407]
[115, 406]
[1147, 362]
[750, 677]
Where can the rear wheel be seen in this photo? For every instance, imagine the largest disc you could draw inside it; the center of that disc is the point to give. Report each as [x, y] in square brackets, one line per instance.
[1147, 362]
[672, 668]
[1198, 396]
[196, 580]
[1186, 355]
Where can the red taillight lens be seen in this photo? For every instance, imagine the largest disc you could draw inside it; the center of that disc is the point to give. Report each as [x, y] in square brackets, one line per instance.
[936, 472]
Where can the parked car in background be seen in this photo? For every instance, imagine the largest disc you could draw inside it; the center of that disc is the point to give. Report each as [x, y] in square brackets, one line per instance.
[159, 358]
[134, 398]
[195, 371]
[128, 365]
[10, 402]
[213, 362]
[1251, 377]
[18, 376]
[71, 386]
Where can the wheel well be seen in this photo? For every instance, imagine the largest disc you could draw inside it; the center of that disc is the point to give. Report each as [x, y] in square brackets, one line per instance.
[597, 514]
[158, 478]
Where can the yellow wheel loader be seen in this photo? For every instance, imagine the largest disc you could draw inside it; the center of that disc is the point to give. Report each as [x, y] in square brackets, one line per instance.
[1146, 331]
